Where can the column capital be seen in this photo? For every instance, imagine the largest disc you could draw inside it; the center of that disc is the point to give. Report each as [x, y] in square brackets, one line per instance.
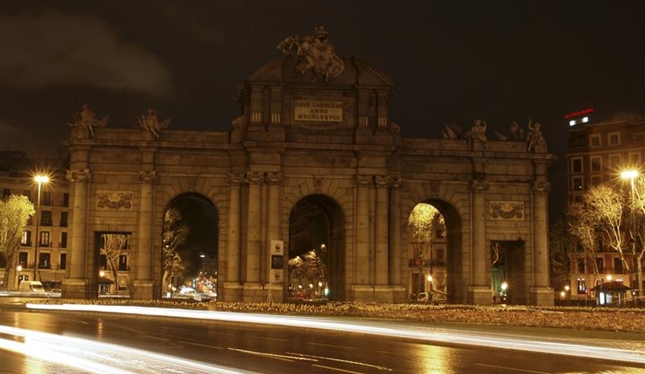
[541, 186]
[396, 181]
[147, 176]
[275, 178]
[235, 178]
[365, 180]
[255, 177]
[382, 181]
[78, 175]
[479, 185]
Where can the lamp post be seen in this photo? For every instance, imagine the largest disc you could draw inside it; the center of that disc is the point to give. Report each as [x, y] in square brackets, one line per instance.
[18, 270]
[632, 174]
[40, 180]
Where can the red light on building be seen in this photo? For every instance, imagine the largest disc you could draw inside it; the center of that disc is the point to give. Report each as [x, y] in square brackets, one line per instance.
[578, 113]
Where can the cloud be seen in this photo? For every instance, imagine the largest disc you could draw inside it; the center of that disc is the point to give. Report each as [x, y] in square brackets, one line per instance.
[53, 48]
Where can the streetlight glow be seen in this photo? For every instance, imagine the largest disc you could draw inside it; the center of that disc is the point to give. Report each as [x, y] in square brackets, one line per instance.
[40, 179]
[629, 174]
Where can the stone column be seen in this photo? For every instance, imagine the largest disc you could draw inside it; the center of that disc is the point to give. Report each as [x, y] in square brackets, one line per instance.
[76, 283]
[480, 290]
[254, 229]
[143, 280]
[234, 229]
[540, 235]
[395, 230]
[275, 193]
[381, 231]
[362, 265]
[79, 179]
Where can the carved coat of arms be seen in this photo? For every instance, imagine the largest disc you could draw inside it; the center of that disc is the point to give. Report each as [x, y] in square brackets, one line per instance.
[315, 53]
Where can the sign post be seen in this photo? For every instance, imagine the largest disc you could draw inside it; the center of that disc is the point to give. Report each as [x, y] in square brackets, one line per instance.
[276, 265]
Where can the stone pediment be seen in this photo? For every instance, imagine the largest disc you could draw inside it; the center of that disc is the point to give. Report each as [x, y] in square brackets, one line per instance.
[312, 90]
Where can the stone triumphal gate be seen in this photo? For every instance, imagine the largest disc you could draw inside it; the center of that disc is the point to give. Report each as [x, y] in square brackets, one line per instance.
[314, 128]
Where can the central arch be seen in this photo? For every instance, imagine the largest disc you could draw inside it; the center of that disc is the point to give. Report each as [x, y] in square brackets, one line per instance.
[317, 234]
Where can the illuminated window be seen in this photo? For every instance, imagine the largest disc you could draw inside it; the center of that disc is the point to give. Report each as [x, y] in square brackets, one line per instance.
[44, 239]
[25, 238]
[44, 261]
[614, 138]
[594, 140]
[582, 286]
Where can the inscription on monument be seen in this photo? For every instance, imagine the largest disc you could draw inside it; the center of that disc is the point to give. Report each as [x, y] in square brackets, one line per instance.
[318, 111]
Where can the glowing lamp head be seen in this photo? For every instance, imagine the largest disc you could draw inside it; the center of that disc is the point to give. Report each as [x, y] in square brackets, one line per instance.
[629, 174]
[41, 179]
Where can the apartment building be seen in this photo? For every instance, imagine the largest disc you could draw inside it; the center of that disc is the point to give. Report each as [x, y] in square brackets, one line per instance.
[597, 153]
[42, 254]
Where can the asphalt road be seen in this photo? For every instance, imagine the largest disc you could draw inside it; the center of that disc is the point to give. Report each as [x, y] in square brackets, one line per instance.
[182, 345]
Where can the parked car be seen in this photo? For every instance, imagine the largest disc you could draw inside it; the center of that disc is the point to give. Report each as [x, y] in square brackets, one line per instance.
[31, 286]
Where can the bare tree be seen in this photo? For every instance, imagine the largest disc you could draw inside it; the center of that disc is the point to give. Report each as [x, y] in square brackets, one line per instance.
[423, 222]
[175, 232]
[582, 224]
[617, 218]
[308, 269]
[14, 215]
[111, 247]
[562, 249]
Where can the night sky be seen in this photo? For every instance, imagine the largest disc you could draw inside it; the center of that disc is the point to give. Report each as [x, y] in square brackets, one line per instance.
[452, 61]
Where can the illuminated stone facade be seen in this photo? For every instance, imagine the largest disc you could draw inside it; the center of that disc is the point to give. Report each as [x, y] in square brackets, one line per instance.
[310, 134]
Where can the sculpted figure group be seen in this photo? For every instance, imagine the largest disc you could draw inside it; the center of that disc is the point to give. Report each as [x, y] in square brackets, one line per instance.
[516, 133]
[315, 53]
[151, 123]
[86, 118]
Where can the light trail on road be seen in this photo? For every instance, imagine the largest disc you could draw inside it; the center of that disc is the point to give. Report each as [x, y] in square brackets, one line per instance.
[414, 332]
[94, 357]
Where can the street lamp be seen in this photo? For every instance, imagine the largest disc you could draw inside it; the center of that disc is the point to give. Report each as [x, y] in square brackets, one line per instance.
[18, 270]
[632, 174]
[40, 180]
